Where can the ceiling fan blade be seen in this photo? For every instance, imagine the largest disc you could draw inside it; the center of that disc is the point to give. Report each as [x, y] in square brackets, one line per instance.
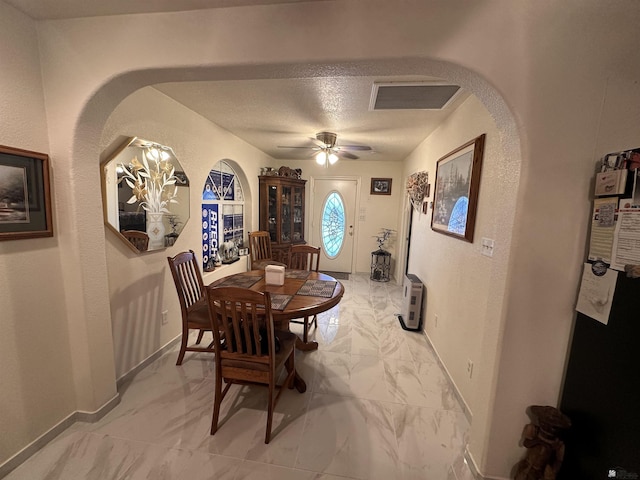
[317, 142]
[355, 147]
[348, 155]
[289, 146]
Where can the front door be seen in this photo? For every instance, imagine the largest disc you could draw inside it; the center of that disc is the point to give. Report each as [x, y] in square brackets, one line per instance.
[333, 222]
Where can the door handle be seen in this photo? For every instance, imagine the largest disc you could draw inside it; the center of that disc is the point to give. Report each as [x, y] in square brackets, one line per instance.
[351, 230]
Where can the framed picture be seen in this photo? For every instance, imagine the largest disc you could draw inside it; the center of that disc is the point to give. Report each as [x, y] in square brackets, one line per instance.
[181, 179]
[456, 190]
[380, 186]
[25, 201]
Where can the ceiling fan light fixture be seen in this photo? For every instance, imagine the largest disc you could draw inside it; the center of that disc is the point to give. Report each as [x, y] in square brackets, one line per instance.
[326, 152]
[328, 139]
[321, 157]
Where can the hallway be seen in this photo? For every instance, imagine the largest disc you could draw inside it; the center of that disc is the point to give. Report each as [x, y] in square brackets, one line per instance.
[378, 406]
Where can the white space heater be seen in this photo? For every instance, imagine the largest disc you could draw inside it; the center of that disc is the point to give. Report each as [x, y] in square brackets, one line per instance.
[411, 303]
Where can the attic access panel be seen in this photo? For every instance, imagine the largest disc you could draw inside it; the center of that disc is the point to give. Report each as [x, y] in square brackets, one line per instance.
[412, 96]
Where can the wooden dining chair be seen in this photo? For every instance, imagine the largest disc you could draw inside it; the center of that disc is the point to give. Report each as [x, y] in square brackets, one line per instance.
[260, 250]
[305, 257]
[193, 302]
[138, 239]
[248, 348]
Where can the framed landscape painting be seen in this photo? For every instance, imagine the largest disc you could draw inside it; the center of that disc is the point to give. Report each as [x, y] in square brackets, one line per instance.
[456, 190]
[25, 202]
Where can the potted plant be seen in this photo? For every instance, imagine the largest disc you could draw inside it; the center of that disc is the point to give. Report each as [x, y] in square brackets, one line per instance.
[381, 259]
[170, 238]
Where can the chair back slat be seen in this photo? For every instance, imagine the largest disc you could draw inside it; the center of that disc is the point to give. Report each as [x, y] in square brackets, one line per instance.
[304, 257]
[193, 306]
[246, 321]
[138, 239]
[187, 278]
[260, 246]
[245, 347]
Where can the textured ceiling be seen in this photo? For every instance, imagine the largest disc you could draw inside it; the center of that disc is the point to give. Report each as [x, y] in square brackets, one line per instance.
[274, 112]
[57, 9]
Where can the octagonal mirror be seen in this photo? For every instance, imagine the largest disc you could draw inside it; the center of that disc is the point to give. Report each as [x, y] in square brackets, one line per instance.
[145, 194]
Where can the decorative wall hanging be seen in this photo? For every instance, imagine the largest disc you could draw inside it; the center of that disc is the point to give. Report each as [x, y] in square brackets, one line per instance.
[145, 195]
[418, 188]
[25, 201]
[456, 190]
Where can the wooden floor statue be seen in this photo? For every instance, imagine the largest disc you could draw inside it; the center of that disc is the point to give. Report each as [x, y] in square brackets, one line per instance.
[545, 448]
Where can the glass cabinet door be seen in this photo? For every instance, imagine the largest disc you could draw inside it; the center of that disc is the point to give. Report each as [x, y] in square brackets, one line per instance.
[282, 212]
[273, 213]
[298, 215]
[285, 223]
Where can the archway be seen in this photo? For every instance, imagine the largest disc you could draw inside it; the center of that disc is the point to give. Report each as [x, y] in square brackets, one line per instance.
[97, 109]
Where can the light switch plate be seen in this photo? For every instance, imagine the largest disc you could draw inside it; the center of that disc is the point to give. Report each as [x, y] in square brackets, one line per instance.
[487, 247]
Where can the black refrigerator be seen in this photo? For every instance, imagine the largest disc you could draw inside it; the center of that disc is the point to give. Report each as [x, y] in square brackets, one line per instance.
[601, 393]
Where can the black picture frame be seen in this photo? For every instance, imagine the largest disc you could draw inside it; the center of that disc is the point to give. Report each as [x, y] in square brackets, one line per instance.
[456, 190]
[380, 186]
[25, 198]
[181, 179]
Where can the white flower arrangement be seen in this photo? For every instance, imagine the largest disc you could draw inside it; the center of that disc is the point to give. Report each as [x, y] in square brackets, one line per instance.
[152, 180]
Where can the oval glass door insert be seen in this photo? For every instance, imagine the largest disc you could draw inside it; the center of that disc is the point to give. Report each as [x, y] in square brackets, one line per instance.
[333, 224]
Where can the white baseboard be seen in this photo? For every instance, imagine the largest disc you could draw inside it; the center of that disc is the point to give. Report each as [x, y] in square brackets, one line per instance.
[147, 361]
[473, 466]
[79, 415]
[475, 471]
[465, 406]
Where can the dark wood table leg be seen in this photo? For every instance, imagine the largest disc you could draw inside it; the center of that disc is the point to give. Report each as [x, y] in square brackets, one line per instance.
[306, 347]
[299, 383]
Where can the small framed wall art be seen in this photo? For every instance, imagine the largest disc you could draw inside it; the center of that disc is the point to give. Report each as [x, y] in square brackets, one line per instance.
[381, 186]
[25, 200]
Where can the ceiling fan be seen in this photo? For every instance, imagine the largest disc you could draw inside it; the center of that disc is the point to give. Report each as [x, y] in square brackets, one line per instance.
[327, 152]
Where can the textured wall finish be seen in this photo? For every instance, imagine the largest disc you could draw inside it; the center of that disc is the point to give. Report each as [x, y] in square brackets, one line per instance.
[546, 66]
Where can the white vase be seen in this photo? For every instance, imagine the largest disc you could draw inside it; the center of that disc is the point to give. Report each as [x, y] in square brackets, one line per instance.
[155, 230]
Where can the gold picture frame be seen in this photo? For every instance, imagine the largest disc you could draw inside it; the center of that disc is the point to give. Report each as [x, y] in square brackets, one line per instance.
[25, 198]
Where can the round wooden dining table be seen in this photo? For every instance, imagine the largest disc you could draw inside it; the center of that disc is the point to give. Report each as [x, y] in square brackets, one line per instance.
[298, 305]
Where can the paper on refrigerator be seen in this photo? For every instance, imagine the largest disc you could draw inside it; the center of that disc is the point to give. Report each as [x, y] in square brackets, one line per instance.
[596, 292]
[603, 227]
[626, 246]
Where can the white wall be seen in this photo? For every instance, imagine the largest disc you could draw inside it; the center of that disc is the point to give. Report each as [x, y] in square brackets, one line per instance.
[380, 211]
[464, 288]
[36, 371]
[140, 285]
[548, 72]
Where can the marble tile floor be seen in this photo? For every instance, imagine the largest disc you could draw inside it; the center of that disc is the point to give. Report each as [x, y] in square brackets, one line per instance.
[377, 406]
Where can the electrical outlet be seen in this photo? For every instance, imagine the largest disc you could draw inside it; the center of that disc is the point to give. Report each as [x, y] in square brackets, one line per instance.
[165, 317]
[470, 368]
[436, 319]
[487, 247]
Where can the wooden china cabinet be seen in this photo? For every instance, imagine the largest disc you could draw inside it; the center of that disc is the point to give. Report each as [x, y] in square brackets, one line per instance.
[282, 212]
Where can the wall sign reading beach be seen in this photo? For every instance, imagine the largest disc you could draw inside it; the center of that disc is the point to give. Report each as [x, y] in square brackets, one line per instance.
[456, 190]
[25, 202]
